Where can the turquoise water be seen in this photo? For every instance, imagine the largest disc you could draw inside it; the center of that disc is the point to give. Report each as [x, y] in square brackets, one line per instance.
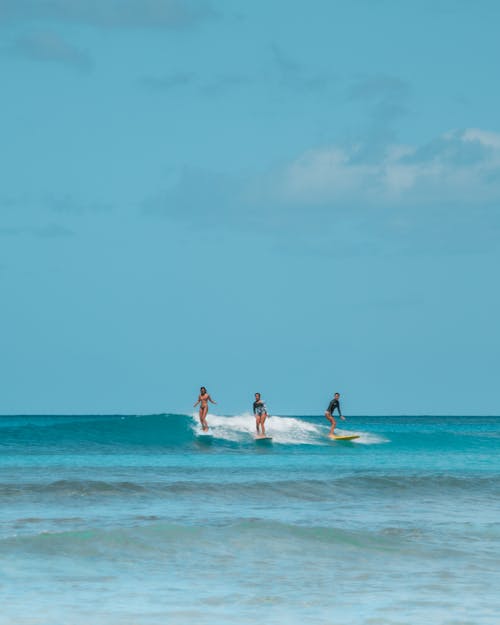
[136, 520]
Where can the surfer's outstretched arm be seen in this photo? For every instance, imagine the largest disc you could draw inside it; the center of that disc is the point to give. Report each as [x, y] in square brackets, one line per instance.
[211, 400]
[340, 412]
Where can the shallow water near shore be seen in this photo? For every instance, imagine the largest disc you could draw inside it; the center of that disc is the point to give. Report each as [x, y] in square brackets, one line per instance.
[123, 520]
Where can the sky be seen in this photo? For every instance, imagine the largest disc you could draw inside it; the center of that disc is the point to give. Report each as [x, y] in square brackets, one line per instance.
[288, 197]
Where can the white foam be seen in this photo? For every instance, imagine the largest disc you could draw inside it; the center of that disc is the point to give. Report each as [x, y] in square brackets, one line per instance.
[284, 430]
[367, 438]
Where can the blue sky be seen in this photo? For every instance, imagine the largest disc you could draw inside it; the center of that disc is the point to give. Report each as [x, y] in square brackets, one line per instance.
[289, 197]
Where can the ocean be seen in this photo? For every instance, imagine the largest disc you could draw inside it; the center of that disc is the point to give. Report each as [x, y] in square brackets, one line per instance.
[137, 520]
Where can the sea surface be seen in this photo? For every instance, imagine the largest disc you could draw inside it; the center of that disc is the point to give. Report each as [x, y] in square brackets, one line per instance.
[138, 520]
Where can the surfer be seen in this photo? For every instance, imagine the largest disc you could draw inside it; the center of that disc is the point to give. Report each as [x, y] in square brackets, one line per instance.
[203, 400]
[260, 412]
[332, 406]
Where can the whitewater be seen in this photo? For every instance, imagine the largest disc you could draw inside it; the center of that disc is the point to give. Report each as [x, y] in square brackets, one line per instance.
[139, 520]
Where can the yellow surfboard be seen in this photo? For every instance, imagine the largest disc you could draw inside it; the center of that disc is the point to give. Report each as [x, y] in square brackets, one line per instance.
[350, 437]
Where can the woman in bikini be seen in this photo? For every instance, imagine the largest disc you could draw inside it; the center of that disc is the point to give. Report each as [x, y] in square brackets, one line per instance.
[203, 400]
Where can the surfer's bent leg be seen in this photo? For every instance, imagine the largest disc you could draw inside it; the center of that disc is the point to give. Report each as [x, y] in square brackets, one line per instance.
[331, 418]
[262, 419]
[203, 418]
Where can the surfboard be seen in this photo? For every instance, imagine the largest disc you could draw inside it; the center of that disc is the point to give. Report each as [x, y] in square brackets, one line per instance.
[263, 439]
[350, 437]
[204, 437]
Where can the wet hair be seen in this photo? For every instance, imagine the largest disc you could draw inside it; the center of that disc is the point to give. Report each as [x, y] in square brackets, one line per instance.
[203, 389]
[337, 394]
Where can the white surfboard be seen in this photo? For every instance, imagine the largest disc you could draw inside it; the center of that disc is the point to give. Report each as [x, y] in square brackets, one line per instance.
[205, 437]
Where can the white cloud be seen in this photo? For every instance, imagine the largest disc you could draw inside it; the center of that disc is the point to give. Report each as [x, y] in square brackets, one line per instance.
[441, 196]
[458, 166]
[484, 137]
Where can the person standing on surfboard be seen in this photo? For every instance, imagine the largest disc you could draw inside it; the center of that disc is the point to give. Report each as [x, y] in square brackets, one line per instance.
[203, 400]
[332, 406]
[260, 412]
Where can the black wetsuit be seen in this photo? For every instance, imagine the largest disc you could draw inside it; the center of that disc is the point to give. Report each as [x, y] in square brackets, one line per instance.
[334, 404]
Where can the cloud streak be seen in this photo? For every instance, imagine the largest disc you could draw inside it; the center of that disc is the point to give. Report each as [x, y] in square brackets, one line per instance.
[49, 231]
[70, 206]
[182, 81]
[126, 14]
[294, 76]
[169, 82]
[49, 47]
[376, 88]
[285, 71]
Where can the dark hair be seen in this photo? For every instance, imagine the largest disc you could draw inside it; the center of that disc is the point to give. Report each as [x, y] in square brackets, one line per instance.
[203, 388]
